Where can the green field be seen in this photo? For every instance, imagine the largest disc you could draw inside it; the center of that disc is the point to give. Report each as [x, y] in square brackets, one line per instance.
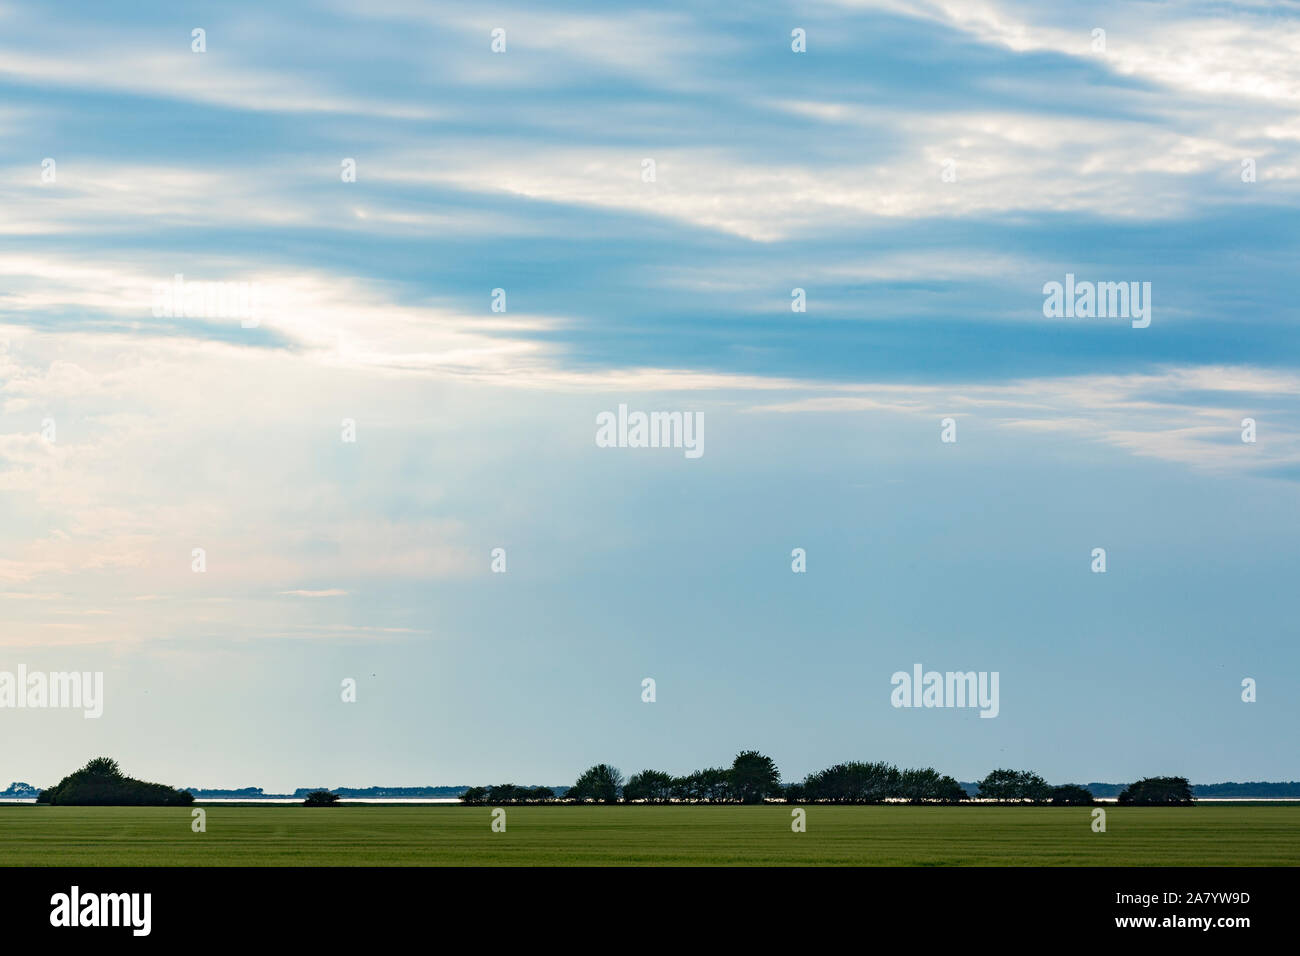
[614, 836]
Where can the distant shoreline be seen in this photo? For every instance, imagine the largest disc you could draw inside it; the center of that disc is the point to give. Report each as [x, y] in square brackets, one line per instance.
[456, 801]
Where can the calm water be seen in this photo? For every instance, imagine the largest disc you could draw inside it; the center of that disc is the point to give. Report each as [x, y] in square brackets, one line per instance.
[455, 800]
[287, 800]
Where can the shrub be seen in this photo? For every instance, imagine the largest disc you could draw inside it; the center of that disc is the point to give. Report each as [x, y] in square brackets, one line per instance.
[1158, 792]
[1020, 786]
[1072, 795]
[854, 782]
[101, 783]
[651, 786]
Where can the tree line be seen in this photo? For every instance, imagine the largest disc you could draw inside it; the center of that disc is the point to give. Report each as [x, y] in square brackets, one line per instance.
[753, 778]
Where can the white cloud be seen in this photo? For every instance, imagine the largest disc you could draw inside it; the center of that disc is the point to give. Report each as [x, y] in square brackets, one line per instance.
[199, 78]
[1188, 415]
[1193, 48]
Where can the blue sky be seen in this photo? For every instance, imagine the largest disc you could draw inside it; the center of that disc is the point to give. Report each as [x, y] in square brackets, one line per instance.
[774, 170]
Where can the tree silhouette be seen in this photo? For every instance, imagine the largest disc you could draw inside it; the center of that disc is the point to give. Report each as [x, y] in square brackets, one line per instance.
[1158, 792]
[101, 783]
[1072, 795]
[601, 783]
[754, 777]
[1015, 785]
[652, 786]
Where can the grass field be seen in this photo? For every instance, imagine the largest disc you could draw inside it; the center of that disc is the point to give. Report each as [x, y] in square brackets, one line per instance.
[670, 836]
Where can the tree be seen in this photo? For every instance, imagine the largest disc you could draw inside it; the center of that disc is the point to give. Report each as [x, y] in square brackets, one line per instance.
[917, 786]
[1034, 788]
[754, 777]
[999, 785]
[601, 783]
[475, 795]
[682, 789]
[652, 786]
[321, 798]
[1015, 785]
[1158, 792]
[105, 767]
[506, 793]
[853, 782]
[712, 784]
[949, 790]
[1072, 795]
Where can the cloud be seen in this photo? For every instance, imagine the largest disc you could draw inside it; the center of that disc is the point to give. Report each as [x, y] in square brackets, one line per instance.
[1190, 48]
[523, 171]
[212, 80]
[1196, 422]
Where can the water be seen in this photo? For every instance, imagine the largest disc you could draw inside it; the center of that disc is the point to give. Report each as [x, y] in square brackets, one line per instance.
[287, 800]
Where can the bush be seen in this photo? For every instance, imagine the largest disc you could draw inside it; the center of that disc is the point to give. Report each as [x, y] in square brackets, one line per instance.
[101, 783]
[1072, 795]
[507, 793]
[854, 782]
[321, 798]
[948, 790]
[650, 786]
[858, 782]
[1018, 786]
[1158, 792]
[711, 785]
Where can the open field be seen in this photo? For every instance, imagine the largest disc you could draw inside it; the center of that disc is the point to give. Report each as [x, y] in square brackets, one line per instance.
[616, 836]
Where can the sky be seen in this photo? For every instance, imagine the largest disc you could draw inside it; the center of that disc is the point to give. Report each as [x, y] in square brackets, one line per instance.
[647, 186]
